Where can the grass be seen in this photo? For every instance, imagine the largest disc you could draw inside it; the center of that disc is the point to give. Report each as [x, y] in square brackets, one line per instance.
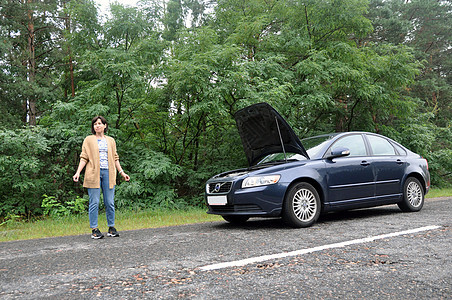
[435, 193]
[125, 220]
[79, 224]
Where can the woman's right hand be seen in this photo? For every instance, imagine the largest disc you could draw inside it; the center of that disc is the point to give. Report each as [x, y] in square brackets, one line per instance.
[81, 165]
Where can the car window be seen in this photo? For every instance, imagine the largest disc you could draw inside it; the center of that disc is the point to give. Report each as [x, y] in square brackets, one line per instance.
[354, 143]
[314, 145]
[380, 146]
[399, 149]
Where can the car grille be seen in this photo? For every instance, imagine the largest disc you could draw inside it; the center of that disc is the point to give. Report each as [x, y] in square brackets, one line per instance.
[219, 187]
[235, 208]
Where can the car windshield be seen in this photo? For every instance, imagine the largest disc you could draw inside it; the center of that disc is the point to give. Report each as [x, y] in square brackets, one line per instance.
[278, 157]
[312, 145]
[315, 144]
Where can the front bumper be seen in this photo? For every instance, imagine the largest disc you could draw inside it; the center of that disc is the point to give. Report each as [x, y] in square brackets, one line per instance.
[262, 201]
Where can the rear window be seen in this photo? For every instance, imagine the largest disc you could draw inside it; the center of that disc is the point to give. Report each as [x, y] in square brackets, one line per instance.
[380, 146]
[399, 149]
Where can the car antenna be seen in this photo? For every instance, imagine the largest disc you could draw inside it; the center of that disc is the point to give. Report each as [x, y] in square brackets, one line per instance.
[280, 138]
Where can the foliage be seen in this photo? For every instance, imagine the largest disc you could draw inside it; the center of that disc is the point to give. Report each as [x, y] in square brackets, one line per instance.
[56, 209]
[425, 26]
[153, 183]
[169, 77]
[10, 220]
[22, 155]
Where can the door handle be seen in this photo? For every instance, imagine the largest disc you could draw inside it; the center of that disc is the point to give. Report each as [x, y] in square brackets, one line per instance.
[365, 163]
[399, 161]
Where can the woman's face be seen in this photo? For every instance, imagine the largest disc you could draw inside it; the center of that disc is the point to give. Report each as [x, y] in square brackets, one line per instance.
[99, 127]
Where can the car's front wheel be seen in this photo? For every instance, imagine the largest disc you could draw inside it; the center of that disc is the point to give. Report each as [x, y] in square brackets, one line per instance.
[413, 196]
[301, 206]
[236, 219]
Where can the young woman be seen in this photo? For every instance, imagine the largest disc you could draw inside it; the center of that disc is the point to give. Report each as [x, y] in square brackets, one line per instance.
[101, 160]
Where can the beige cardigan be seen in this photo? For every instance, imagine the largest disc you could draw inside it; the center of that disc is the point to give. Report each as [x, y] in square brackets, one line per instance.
[90, 154]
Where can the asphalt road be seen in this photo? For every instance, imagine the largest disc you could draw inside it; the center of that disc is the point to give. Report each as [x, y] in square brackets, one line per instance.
[330, 260]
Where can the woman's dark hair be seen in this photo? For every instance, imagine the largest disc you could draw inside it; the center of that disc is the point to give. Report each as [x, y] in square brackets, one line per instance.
[102, 119]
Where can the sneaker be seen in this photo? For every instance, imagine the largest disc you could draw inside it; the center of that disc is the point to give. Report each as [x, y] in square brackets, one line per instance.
[96, 234]
[112, 232]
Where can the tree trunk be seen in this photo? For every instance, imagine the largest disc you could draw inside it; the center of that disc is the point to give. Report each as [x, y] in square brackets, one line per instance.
[31, 68]
[71, 70]
[71, 64]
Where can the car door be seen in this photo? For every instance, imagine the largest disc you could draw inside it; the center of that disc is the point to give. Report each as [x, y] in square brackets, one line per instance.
[350, 179]
[389, 168]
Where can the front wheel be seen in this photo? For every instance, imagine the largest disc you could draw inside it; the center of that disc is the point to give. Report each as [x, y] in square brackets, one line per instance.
[413, 196]
[301, 206]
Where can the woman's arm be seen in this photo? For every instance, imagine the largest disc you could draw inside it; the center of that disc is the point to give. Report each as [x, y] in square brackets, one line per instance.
[121, 171]
[81, 165]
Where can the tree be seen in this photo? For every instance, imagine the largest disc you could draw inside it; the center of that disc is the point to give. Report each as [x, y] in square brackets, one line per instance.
[169, 77]
[80, 32]
[32, 55]
[425, 26]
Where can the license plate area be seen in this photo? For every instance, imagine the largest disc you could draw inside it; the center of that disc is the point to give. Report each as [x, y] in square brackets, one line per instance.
[217, 200]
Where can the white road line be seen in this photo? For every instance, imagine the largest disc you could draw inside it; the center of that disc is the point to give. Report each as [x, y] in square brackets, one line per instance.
[257, 259]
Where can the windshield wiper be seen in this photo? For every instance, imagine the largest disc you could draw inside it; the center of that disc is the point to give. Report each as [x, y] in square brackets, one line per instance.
[275, 162]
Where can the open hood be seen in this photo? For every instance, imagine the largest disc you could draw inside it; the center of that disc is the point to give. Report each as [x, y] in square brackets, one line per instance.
[262, 130]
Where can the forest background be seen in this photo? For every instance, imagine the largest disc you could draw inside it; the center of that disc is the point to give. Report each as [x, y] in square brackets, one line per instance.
[169, 74]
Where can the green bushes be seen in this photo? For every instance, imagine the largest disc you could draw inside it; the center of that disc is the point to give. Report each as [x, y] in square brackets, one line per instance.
[169, 92]
[54, 208]
[37, 166]
[25, 177]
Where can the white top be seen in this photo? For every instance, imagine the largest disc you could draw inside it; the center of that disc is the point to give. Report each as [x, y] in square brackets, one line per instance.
[103, 151]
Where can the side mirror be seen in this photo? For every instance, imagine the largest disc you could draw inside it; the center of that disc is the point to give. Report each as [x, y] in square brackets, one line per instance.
[338, 152]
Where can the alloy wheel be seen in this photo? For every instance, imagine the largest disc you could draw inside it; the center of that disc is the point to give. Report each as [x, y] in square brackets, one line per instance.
[414, 194]
[304, 205]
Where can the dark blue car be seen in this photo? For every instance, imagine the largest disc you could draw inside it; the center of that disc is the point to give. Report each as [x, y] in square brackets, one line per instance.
[297, 180]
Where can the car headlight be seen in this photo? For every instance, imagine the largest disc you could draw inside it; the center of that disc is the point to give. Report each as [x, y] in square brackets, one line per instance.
[260, 180]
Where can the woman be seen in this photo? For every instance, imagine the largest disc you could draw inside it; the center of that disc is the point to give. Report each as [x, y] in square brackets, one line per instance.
[101, 160]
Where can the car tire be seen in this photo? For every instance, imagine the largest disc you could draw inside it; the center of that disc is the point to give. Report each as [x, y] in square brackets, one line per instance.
[301, 206]
[237, 220]
[413, 196]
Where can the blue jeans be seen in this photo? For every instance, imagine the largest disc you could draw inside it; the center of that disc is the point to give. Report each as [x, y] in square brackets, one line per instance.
[109, 201]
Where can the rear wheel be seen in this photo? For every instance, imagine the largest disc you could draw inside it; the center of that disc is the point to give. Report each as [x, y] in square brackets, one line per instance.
[301, 206]
[236, 219]
[413, 196]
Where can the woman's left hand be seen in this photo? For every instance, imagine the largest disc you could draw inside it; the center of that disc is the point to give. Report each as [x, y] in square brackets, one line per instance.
[125, 176]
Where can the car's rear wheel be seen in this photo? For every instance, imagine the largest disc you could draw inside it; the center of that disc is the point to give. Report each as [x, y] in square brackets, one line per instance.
[413, 196]
[236, 219]
[301, 206]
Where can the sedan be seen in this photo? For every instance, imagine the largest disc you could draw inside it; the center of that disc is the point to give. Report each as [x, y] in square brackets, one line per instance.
[298, 180]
